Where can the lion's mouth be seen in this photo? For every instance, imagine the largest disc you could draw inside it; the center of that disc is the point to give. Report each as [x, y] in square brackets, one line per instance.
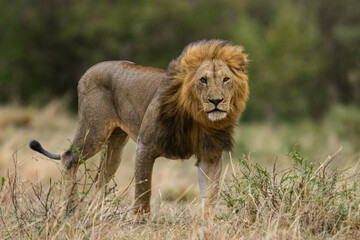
[215, 110]
[216, 114]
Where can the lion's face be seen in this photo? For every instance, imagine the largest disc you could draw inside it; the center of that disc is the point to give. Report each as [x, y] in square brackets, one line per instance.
[207, 83]
[214, 85]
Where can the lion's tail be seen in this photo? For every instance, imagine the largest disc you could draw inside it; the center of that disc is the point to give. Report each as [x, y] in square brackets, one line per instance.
[36, 146]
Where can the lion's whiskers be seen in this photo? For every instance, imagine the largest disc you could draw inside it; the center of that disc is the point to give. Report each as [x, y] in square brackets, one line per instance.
[201, 110]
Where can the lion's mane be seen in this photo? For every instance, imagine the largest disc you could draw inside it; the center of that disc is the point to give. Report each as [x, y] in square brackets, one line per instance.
[187, 130]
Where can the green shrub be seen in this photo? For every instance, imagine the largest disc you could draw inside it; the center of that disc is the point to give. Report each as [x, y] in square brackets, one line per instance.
[318, 200]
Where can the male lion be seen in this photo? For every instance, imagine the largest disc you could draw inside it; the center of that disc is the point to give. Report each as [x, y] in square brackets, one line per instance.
[189, 109]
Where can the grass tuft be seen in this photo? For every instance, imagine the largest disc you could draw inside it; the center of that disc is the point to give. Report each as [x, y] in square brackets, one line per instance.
[306, 200]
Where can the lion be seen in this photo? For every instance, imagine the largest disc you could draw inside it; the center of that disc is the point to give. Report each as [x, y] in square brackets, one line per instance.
[189, 109]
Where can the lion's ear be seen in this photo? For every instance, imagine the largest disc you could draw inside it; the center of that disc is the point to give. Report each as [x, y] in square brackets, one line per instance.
[235, 58]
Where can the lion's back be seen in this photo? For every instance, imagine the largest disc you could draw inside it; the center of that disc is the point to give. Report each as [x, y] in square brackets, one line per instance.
[130, 87]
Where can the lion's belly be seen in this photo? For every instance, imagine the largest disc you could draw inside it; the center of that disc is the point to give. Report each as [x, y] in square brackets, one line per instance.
[133, 134]
[177, 157]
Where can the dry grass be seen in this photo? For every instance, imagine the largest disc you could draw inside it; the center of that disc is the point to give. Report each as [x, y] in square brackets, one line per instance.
[296, 198]
[305, 201]
[54, 127]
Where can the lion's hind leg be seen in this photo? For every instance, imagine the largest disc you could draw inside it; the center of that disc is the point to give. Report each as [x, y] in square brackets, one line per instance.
[111, 159]
[70, 161]
[89, 140]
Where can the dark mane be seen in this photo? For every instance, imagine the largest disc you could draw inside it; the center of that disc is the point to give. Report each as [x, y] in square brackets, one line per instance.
[176, 140]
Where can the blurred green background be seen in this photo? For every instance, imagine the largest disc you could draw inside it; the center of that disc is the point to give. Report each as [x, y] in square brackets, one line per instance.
[304, 55]
[304, 69]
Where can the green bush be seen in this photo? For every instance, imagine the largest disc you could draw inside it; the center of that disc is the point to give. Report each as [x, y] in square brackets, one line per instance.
[308, 196]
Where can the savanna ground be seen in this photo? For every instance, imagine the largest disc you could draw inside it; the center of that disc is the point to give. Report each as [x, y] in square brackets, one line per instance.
[284, 181]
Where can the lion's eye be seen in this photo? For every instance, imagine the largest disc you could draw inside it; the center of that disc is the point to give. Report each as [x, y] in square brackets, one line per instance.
[203, 79]
[226, 79]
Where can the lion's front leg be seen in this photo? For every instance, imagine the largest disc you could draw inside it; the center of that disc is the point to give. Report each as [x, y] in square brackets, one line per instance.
[144, 163]
[209, 172]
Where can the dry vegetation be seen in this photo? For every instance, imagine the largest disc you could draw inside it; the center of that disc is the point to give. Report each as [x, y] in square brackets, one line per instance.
[265, 196]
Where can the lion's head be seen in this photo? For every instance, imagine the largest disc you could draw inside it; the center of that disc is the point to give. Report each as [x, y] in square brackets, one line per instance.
[208, 83]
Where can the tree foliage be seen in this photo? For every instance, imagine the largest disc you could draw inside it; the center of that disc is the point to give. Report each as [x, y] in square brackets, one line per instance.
[304, 55]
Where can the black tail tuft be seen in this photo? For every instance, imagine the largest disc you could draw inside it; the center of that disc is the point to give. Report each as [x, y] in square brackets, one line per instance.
[36, 146]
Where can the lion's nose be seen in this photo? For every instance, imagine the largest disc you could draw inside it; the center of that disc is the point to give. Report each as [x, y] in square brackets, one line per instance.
[216, 101]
